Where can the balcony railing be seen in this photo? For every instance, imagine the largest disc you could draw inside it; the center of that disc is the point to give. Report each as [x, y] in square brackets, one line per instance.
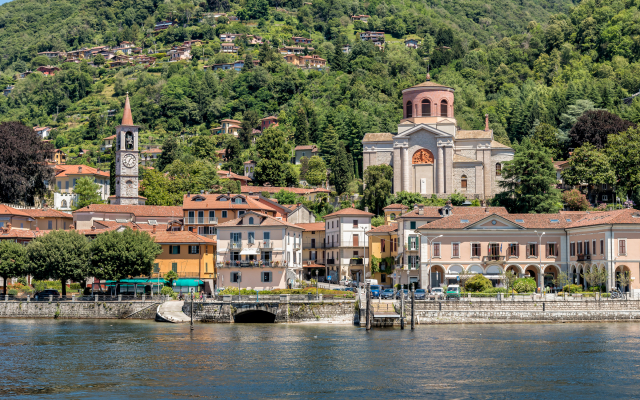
[331, 261]
[213, 220]
[314, 245]
[493, 259]
[584, 257]
[351, 243]
[201, 220]
[191, 220]
[249, 263]
[266, 244]
[235, 245]
[356, 261]
[307, 261]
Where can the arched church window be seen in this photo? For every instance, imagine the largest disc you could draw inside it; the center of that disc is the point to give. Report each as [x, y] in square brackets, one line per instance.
[409, 109]
[63, 204]
[128, 141]
[426, 108]
[444, 108]
[498, 169]
[463, 182]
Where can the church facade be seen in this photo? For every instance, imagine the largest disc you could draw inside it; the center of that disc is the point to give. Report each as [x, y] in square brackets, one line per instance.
[430, 155]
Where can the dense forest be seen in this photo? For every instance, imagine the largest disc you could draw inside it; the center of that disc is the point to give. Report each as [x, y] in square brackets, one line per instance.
[534, 66]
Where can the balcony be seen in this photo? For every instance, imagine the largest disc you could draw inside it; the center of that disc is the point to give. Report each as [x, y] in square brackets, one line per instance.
[308, 261]
[331, 261]
[266, 244]
[190, 220]
[584, 257]
[213, 220]
[356, 261]
[493, 260]
[235, 245]
[357, 243]
[314, 245]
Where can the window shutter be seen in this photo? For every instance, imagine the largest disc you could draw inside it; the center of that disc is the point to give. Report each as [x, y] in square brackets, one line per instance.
[269, 276]
[557, 249]
[517, 250]
[528, 250]
[262, 277]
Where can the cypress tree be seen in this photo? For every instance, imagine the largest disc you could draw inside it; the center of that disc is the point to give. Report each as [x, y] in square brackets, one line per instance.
[340, 170]
[302, 128]
[329, 144]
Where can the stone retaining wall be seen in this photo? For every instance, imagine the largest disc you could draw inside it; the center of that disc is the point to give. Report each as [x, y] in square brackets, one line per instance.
[79, 310]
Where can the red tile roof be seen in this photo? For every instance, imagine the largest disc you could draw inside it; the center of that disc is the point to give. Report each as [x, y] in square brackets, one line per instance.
[312, 226]
[349, 211]
[180, 237]
[67, 170]
[46, 213]
[276, 189]
[434, 211]
[395, 206]
[265, 220]
[138, 211]
[392, 227]
[212, 202]
[232, 175]
[310, 147]
[6, 210]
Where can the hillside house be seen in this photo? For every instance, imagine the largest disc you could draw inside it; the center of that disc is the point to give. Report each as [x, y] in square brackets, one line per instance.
[229, 48]
[362, 18]
[66, 177]
[411, 43]
[228, 127]
[267, 122]
[305, 151]
[301, 40]
[53, 54]
[179, 53]
[48, 70]
[42, 131]
[286, 50]
[162, 25]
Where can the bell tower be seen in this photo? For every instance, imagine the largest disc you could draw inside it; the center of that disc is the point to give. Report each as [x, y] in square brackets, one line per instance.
[127, 159]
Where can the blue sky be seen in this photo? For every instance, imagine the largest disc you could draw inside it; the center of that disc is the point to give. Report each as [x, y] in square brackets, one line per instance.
[4, 1]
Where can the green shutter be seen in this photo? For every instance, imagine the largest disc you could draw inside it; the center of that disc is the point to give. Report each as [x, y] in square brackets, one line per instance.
[174, 267]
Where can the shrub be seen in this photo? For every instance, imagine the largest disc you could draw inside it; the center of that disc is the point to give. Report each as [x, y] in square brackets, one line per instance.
[12, 292]
[525, 285]
[478, 283]
[495, 290]
[572, 289]
[166, 290]
[22, 280]
[75, 286]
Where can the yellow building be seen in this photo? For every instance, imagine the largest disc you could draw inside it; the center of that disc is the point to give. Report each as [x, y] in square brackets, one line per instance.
[393, 211]
[189, 255]
[383, 244]
[313, 250]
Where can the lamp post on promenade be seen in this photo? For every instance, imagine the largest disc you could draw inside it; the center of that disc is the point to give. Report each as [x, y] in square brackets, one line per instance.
[540, 255]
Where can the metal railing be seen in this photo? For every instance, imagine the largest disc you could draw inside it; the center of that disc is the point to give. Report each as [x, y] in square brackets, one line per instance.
[89, 298]
[314, 245]
[245, 263]
[584, 257]
[266, 244]
[191, 220]
[331, 261]
[235, 245]
[356, 261]
[213, 220]
[493, 258]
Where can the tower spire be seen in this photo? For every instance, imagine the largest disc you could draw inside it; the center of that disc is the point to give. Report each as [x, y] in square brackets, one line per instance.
[127, 119]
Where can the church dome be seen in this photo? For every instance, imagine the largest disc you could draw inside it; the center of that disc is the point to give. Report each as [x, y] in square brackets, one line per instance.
[427, 99]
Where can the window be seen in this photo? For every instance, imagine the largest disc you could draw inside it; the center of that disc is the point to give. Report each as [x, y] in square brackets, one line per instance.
[250, 220]
[50, 225]
[201, 217]
[426, 108]
[580, 248]
[212, 215]
[604, 186]
[224, 214]
[238, 200]
[572, 249]
[532, 250]
[593, 246]
[174, 267]
[355, 223]
[382, 245]
[206, 267]
[266, 276]
[236, 277]
[463, 182]
[602, 246]
[494, 249]
[252, 237]
[356, 240]
[605, 197]
[409, 109]
[240, 213]
[622, 247]
[174, 249]
[475, 249]
[552, 250]
[414, 261]
[392, 216]
[266, 235]
[444, 108]
[586, 247]
[412, 225]
[156, 268]
[194, 249]
[513, 250]
[455, 249]
[436, 249]
[236, 237]
[66, 184]
[59, 185]
[498, 169]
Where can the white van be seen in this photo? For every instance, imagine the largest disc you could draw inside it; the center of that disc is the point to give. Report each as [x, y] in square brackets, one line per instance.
[371, 281]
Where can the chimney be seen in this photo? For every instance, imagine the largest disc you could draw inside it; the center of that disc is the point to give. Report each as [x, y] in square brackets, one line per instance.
[202, 192]
[93, 228]
[135, 227]
[79, 170]
[153, 229]
[486, 122]
[71, 227]
[9, 226]
[420, 209]
[37, 229]
[366, 209]
[415, 207]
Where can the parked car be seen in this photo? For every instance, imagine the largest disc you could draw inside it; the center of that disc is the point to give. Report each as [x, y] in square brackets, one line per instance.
[453, 292]
[421, 294]
[437, 290]
[371, 281]
[375, 291]
[387, 294]
[345, 281]
[403, 292]
[46, 293]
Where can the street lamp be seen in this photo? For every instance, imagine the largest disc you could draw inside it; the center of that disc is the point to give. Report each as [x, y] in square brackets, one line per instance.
[316, 283]
[364, 254]
[540, 252]
[239, 278]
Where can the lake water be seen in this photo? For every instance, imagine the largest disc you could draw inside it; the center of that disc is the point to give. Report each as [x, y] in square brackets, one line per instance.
[113, 359]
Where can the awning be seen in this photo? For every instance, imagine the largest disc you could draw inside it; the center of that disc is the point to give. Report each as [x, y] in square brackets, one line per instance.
[246, 252]
[187, 282]
[138, 281]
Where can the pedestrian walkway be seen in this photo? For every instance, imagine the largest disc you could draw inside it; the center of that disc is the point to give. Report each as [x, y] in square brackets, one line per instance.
[171, 311]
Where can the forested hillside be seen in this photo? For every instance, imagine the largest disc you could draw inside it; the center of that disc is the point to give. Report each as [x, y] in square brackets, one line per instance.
[533, 66]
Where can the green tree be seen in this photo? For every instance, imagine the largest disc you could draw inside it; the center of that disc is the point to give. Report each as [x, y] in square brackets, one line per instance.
[302, 127]
[378, 183]
[478, 283]
[249, 122]
[338, 61]
[99, 60]
[304, 167]
[623, 150]
[286, 197]
[589, 165]
[93, 127]
[169, 153]
[158, 189]
[547, 136]
[13, 261]
[275, 152]
[316, 172]
[341, 171]
[60, 255]
[575, 200]
[170, 277]
[329, 145]
[258, 9]
[118, 255]
[529, 182]
[204, 147]
[233, 156]
[408, 199]
[88, 192]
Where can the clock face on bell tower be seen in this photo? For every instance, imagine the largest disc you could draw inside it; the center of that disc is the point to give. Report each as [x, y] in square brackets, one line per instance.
[129, 160]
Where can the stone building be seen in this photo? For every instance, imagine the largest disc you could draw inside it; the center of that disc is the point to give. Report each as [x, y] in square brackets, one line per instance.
[430, 155]
[127, 160]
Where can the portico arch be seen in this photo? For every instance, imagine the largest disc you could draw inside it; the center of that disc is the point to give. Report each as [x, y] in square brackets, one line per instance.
[515, 268]
[475, 269]
[618, 274]
[437, 275]
[550, 273]
[455, 269]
